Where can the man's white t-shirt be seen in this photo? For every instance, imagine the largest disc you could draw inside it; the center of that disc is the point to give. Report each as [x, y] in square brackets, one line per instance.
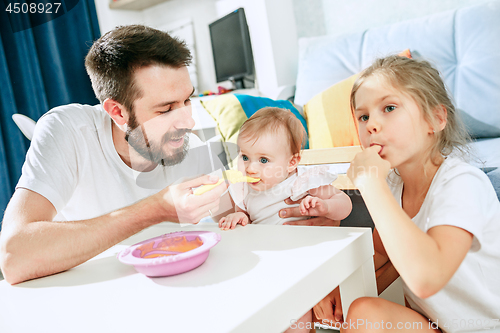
[461, 195]
[72, 162]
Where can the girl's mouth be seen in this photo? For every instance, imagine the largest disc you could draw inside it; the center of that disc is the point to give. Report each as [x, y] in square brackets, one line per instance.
[381, 147]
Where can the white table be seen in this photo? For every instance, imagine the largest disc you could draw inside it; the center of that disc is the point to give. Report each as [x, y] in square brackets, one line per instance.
[256, 279]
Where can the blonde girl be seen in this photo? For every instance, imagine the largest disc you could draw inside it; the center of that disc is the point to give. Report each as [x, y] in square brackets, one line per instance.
[437, 218]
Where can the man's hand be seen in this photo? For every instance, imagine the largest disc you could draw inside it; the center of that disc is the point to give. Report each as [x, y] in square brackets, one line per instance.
[180, 204]
[295, 212]
[330, 308]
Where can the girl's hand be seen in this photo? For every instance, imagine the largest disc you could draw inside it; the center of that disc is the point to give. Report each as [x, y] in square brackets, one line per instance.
[368, 165]
[329, 308]
[313, 206]
[230, 221]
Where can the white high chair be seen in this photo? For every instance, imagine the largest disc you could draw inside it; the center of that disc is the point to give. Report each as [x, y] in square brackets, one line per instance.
[25, 124]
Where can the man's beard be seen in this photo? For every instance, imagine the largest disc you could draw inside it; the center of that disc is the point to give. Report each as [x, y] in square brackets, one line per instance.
[137, 138]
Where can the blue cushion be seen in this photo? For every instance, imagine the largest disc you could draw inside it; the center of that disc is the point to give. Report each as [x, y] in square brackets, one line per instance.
[252, 104]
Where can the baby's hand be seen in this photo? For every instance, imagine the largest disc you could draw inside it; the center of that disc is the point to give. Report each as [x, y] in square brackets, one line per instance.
[313, 206]
[230, 221]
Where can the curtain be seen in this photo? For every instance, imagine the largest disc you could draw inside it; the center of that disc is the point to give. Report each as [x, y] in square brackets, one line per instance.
[41, 67]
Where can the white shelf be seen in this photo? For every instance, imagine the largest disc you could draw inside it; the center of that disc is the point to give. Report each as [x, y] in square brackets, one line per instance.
[133, 4]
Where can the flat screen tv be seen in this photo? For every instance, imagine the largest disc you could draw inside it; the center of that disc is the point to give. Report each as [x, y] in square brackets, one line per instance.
[232, 49]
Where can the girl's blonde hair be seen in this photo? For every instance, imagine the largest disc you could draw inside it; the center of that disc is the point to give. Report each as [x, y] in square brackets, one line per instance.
[421, 81]
[277, 121]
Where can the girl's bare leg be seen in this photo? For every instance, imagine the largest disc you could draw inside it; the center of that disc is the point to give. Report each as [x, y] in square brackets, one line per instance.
[370, 314]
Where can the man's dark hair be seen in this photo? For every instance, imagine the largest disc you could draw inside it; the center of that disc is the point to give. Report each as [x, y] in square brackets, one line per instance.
[112, 59]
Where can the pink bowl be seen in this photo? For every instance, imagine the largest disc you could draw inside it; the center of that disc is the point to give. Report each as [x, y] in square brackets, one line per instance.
[170, 254]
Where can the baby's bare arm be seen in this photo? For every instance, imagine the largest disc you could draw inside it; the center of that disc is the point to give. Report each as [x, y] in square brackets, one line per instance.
[233, 219]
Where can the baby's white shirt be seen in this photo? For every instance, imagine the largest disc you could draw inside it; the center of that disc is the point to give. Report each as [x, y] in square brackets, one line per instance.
[263, 206]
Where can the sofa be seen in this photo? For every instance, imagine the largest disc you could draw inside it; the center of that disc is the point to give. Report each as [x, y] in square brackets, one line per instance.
[463, 44]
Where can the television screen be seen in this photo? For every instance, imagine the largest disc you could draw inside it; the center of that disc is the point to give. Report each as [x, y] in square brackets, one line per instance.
[231, 48]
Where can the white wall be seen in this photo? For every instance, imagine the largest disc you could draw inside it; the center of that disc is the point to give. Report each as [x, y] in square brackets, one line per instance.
[282, 32]
[309, 17]
[201, 12]
[271, 24]
[111, 18]
[336, 17]
[273, 34]
[275, 26]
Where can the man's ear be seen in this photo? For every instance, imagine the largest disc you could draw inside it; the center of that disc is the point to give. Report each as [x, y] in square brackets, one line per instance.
[294, 162]
[116, 111]
[441, 116]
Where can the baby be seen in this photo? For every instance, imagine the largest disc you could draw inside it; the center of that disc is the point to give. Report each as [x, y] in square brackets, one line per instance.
[270, 143]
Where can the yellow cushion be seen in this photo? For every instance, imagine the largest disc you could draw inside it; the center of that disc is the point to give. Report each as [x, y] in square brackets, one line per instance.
[229, 116]
[329, 118]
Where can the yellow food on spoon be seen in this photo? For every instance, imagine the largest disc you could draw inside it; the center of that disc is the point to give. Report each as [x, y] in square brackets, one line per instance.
[233, 176]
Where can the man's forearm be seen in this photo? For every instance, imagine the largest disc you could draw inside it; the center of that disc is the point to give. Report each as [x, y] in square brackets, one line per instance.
[35, 249]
